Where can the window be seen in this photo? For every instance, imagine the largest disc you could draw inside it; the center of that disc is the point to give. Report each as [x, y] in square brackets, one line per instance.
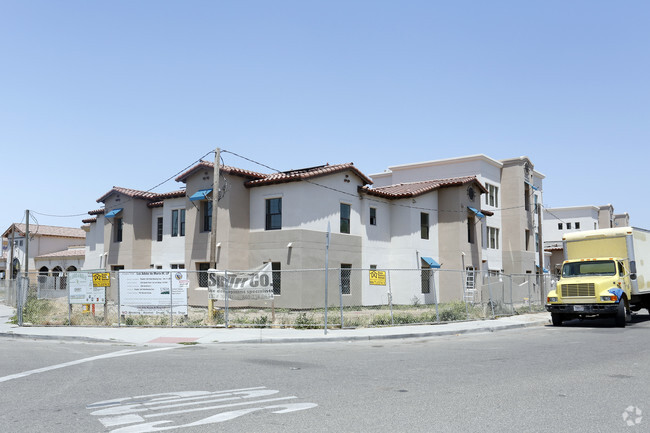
[206, 212]
[178, 266]
[273, 214]
[577, 225]
[425, 278]
[118, 229]
[346, 271]
[159, 232]
[117, 267]
[559, 226]
[424, 225]
[203, 273]
[527, 239]
[373, 216]
[277, 278]
[568, 226]
[526, 197]
[178, 222]
[493, 238]
[345, 218]
[492, 197]
[470, 229]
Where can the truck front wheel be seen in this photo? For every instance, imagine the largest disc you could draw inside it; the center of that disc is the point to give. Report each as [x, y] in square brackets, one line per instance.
[621, 314]
[556, 319]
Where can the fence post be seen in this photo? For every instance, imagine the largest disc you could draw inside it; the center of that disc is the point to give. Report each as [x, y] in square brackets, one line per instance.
[171, 301]
[463, 279]
[490, 294]
[225, 288]
[435, 294]
[530, 296]
[390, 299]
[19, 300]
[119, 306]
[341, 293]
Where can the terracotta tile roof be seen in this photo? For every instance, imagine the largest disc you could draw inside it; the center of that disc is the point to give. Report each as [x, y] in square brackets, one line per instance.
[145, 195]
[96, 212]
[89, 220]
[42, 230]
[414, 189]
[205, 165]
[308, 173]
[70, 252]
[133, 193]
[155, 204]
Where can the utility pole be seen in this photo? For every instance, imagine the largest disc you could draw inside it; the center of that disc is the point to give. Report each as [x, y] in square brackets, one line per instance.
[27, 243]
[541, 252]
[213, 221]
[215, 209]
[10, 265]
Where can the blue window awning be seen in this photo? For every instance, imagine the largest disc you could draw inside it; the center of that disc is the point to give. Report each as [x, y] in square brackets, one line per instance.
[477, 212]
[201, 194]
[432, 263]
[113, 213]
[531, 185]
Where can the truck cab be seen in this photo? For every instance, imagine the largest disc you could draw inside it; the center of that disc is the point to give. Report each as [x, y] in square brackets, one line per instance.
[592, 287]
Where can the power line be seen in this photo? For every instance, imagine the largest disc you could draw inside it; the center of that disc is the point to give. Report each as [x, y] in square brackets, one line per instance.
[372, 199]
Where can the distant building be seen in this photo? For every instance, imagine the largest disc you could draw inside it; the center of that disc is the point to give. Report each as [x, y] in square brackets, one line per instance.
[561, 220]
[52, 250]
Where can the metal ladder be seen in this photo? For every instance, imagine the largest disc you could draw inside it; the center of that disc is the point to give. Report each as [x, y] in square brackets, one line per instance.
[470, 285]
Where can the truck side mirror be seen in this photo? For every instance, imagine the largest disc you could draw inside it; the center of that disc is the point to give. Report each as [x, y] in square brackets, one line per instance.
[632, 276]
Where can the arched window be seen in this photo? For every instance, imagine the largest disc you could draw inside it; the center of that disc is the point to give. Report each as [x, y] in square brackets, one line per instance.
[44, 270]
[15, 268]
[59, 280]
[71, 269]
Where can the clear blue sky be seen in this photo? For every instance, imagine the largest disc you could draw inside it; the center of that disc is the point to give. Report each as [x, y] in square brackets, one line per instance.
[128, 93]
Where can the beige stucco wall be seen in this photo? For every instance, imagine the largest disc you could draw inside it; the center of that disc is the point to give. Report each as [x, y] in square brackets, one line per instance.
[134, 252]
[516, 219]
[456, 253]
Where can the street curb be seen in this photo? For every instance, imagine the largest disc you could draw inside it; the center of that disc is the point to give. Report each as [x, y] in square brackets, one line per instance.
[59, 338]
[339, 338]
[283, 340]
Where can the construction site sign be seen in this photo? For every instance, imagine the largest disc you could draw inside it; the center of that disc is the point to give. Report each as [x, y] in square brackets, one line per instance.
[377, 278]
[82, 290]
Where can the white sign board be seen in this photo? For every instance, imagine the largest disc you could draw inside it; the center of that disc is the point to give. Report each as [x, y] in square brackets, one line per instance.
[152, 292]
[250, 286]
[81, 290]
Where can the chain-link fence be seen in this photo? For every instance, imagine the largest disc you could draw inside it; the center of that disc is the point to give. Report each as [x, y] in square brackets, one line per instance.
[312, 298]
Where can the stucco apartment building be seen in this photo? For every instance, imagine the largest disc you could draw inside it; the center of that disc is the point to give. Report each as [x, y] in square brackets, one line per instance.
[283, 218]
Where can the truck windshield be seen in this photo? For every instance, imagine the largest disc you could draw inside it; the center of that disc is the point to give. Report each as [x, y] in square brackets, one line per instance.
[599, 267]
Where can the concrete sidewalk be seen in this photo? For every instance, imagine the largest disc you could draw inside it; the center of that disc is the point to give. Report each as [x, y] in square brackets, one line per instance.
[166, 336]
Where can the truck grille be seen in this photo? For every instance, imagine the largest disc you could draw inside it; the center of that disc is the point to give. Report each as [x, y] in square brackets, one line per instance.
[575, 290]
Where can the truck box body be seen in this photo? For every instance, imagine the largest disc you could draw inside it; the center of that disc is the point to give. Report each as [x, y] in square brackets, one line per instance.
[630, 243]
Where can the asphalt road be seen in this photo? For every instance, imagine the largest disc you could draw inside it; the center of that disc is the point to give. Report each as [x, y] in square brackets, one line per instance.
[584, 376]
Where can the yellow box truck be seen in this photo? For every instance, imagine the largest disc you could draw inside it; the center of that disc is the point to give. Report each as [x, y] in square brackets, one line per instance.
[605, 273]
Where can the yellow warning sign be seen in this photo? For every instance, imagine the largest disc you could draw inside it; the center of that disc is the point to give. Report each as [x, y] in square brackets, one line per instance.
[378, 278]
[102, 279]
